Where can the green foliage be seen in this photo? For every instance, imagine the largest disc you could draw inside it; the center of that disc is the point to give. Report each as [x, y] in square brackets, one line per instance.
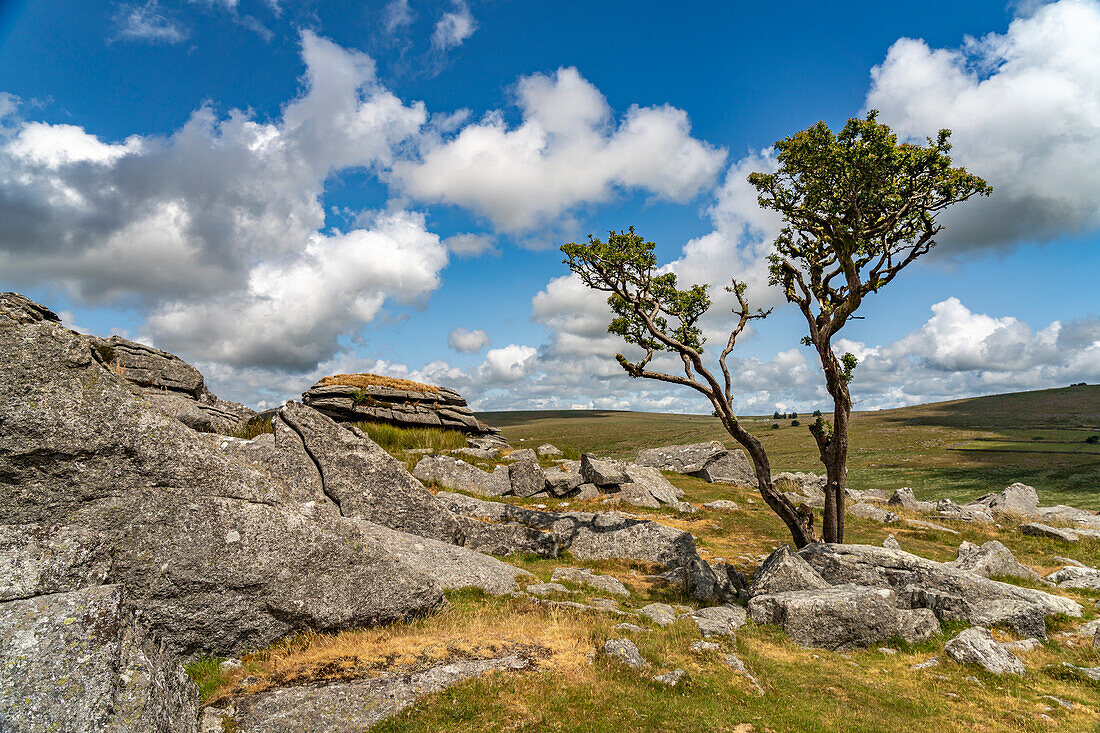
[848, 364]
[777, 415]
[625, 266]
[393, 438]
[817, 413]
[775, 426]
[855, 199]
[792, 416]
[1093, 439]
[795, 423]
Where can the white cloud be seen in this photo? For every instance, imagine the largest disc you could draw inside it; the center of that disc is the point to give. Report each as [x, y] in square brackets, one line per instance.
[470, 342]
[188, 215]
[508, 364]
[453, 28]
[294, 311]
[567, 151]
[1023, 108]
[396, 15]
[471, 245]
[148, 23]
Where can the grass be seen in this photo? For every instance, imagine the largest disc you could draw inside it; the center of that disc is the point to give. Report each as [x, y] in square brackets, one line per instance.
[807, 691]
[252, 429]
[396, 439]
[376, 380]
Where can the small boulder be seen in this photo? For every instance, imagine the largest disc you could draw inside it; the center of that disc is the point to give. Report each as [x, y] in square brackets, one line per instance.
[977, 646]
[991, 559]
[891, 543]
[838, 617]
[603, 472]
[918, 624]
[625, 651]
[660, 613]
[1076, 577]
[546, 450]
[545, 589]
[905, 499]
[670, 678]
[728, 467]
[719, 620]
[453, 473]
[526, 478]
[680, 458]
[1018, 499]
[722, 505]
[523, 454]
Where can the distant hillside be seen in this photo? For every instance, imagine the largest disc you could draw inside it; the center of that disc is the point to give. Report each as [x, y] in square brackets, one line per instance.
[959, 449]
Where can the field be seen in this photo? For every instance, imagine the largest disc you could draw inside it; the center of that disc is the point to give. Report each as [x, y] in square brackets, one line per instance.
[940, 450]
[958, 450]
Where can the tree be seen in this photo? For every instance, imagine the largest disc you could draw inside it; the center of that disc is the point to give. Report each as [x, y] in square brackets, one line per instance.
[777, 415]
[858, 207]
[653, 313]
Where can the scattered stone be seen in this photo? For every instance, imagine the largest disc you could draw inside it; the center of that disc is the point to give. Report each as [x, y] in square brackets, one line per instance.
[887, 651]
[356, 704]
[950, 510]
[629, 627]
[977, 646]
[545, 589]
[734, 662]
[546, 450]
[660, 613]
[1035, 529]
[728, 467]
[229, 665]
[1092, 673]
[872, 512]
[1022, 646]
[927, 664]
[784, 570]
[1073, 576]
[671, 679]
[719, 620]
[523, 454]
[564, 480]
[1058, 701]
[483, 453]
[992, 558]
[722, 505]
[929, 525]
[625, 651]
[605, 583]
[891, 543]
[905, 499]
[703, 647]
[1069, 561]
[526, 478]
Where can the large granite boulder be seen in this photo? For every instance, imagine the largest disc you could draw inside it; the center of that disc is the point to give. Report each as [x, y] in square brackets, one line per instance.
[839, 617]
[1018, 499]
[454, 473]
[977, 646]
[991, 559]
[783, 571]
[369, 397]
[76, 661]
[951, 593]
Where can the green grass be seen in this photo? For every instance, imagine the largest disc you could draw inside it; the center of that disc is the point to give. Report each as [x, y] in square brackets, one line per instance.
[253, 429]
[393, 438]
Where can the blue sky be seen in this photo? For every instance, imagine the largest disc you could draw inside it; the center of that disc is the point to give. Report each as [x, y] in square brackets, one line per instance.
[277, 189]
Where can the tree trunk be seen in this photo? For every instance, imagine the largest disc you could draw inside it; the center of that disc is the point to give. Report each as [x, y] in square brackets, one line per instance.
[834, 447]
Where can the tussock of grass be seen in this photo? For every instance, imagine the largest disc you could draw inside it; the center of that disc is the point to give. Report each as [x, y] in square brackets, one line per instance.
[393, 438]
[252, 429]
[376, 380]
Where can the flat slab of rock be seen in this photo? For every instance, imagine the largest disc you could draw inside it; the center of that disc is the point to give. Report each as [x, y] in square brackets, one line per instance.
[680, 458]
[838, 617]
[977, 646]
[1035, 529]
[864, 510]
[661, 614]
[719, 620]
[581, 576]
[356, 705]
[722, 505]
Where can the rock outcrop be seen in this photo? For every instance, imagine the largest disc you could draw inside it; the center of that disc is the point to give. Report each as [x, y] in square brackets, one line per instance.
[369, 397]
[712, 462]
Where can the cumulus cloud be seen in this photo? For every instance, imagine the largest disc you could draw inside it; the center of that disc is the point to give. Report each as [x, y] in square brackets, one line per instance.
[148, 22]
[453, 28]
[471, 245]
[566, 151]
[396, 15]
[188, 214]
[1023, 110]
[467, 341]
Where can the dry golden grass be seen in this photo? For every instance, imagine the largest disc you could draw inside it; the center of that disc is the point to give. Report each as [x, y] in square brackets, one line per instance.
[376, 380]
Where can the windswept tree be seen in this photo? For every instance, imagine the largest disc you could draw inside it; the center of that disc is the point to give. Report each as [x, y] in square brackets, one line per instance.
[859, 207]
[652, 312]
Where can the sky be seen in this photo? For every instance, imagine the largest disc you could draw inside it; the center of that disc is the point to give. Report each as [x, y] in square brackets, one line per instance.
[278, 190]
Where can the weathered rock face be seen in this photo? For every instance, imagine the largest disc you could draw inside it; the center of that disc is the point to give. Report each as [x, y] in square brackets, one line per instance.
[1018, 499]
[905, 499]
[76, 661]
[1076, 577]
[453, 473]
[712, 462]
[949, 592]
[171, 384]
[784, 571]
[838, 617]
[353, 398]
[872, 512]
